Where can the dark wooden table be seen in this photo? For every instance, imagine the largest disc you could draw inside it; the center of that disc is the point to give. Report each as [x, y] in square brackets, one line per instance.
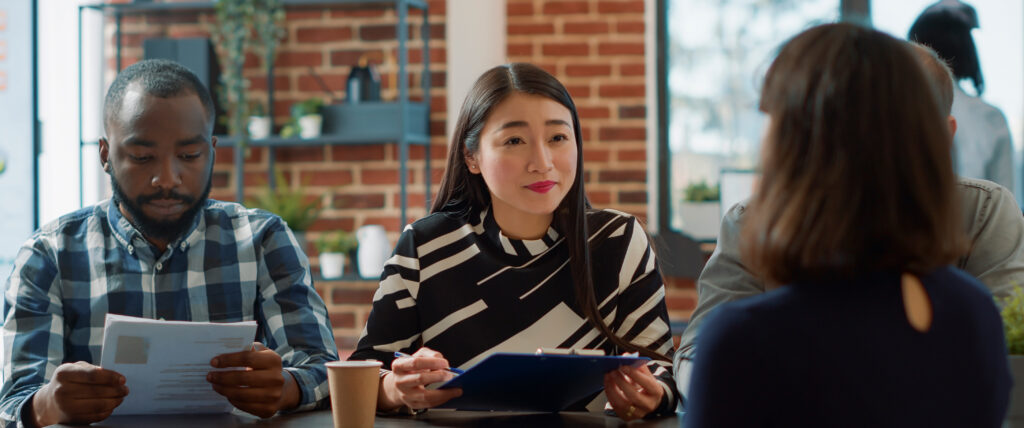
[437, 418]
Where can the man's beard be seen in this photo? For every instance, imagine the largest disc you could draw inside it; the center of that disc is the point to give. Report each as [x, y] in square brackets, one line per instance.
[166, 231]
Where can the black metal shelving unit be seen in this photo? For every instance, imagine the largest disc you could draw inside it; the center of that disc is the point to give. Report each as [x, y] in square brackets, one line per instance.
[402, 122]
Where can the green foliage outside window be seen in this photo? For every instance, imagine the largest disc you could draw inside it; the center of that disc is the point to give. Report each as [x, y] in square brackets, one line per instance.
[1013, 320]
[701, 192]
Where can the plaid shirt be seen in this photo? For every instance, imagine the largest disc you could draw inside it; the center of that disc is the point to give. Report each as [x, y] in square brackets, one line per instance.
[235, 264]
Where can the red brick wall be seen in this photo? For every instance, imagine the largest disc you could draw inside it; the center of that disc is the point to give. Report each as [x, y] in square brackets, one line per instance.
[357, 184]
[595, 47]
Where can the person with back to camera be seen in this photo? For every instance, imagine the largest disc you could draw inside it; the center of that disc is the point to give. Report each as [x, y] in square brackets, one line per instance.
[982, 145]
[512, 258]
[991, 218]
[853, 227]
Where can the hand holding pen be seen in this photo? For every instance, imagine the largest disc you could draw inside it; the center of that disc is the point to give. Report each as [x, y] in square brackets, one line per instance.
[455, 370]
[407, 382]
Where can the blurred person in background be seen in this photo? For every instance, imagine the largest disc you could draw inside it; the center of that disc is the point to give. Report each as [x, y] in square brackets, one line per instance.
[982, 147]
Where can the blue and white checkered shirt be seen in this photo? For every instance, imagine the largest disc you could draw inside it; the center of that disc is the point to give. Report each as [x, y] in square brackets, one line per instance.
[235, 264]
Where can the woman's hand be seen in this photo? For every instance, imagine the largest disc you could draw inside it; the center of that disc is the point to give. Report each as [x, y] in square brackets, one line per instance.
[406, 384]
[633, 392]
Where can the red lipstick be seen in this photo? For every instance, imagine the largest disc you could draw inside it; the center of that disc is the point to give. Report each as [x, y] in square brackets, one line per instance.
[541, 186]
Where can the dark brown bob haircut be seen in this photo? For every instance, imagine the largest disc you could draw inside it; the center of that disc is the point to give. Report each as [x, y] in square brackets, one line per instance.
[857, 170]
[463, 193]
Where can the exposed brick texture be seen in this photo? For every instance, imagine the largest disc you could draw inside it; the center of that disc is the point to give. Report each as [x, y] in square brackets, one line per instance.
[595, 47]
[597, 51]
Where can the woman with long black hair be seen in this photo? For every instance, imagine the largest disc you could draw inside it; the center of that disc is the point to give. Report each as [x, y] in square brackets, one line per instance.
[513, 258]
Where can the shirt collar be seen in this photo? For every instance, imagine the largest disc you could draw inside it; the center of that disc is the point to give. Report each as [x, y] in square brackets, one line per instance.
[516, 247]
[128, 236]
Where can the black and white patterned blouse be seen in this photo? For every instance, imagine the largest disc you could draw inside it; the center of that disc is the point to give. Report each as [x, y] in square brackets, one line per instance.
[466, 290]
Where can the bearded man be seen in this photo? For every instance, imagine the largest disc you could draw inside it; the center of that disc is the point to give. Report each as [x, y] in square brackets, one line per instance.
[159, 249]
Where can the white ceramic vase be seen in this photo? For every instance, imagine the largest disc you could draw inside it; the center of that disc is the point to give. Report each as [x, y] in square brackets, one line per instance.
[701, 220]
[373, 250]
[259, 127]
[309, 125]
[332, 265]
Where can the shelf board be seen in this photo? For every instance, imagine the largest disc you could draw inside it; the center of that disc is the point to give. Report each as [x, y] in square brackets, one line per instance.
[189, 6]
[363, 123]
[329, 140]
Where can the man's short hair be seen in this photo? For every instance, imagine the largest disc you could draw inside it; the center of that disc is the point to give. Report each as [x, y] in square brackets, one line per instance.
[939, 73]
[160, 78]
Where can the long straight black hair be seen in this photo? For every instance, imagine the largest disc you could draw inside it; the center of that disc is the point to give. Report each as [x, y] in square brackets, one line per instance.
[462, 192]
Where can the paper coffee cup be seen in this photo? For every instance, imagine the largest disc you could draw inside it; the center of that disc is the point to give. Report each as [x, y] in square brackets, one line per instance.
[353, 386]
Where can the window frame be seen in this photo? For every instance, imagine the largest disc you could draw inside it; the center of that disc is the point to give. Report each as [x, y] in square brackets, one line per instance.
[681, 256]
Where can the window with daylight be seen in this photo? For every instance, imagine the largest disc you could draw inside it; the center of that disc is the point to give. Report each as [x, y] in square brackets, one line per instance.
[712, 58]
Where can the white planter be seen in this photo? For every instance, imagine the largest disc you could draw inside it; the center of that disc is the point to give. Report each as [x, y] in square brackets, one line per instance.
[309, 125]
[332, 265]
[373, 251]
[1015, 412]
[701, 220]
[259, 127]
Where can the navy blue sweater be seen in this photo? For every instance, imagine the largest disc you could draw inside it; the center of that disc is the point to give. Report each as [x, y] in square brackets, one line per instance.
[842, 353]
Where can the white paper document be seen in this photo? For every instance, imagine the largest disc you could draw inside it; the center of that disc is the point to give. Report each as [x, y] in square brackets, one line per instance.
[165, 362]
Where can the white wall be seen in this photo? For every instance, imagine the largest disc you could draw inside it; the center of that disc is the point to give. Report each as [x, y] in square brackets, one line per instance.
[651, 71]
[58, 107]
[475, 42]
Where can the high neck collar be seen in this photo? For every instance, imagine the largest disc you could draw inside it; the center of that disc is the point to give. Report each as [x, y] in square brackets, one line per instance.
[514, 247]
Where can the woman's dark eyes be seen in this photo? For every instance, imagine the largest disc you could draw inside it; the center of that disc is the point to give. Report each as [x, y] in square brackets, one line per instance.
[190, 156]
[557, 138]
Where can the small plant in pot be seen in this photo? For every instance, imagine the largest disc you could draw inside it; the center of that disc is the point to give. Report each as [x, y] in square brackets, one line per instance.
[1012, 311]
[259, 122]
[701, 211]
[307, 116]
[333, 246]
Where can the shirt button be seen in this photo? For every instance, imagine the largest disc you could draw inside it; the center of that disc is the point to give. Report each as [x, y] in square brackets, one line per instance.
[159, 266]
[183, 246]
[131, 249]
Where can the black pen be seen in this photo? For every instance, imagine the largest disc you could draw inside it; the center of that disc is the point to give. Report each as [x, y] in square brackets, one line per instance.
[451, 369]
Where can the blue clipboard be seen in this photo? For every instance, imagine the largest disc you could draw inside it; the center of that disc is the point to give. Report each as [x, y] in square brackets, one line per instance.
[533, 382]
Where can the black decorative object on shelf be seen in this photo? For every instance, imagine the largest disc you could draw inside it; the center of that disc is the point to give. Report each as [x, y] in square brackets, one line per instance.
[197, 55]
[363, 83]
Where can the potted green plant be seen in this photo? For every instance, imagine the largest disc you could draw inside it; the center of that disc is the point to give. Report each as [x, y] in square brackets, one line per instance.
[230, 34]
[701, 211]
[1012, 312]
[291, 204]
[241, 26]
[333, 247]
[268, 25]
[260, 123]
[307, 114]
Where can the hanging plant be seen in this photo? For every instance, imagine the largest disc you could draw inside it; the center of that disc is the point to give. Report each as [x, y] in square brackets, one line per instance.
[268, 25]
[231, 36]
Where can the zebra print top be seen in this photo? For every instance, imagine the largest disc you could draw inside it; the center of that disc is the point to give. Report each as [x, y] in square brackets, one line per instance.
[464, 289]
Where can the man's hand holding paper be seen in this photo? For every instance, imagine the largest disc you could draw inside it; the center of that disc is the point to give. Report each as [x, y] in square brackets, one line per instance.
[262, 388]
[80, 393]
